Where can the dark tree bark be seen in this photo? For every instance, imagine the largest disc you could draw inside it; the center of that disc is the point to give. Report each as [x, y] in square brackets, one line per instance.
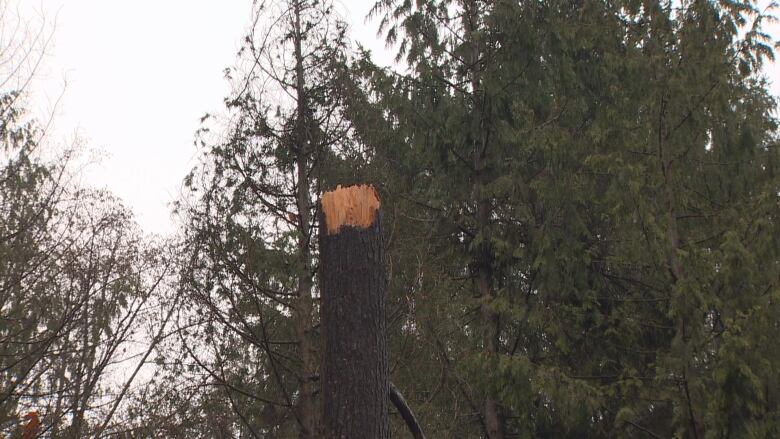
[352, 272]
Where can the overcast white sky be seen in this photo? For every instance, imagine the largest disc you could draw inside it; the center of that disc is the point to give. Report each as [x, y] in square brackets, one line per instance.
[139, 76]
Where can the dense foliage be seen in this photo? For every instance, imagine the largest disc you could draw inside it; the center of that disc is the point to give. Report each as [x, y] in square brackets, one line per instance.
[601, 178]
[581, 218]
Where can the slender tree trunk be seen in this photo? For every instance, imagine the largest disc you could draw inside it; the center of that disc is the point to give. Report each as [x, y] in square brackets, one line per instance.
[696, 427]
[352, 272]
[494, 426]
[303, 310]
[303, 315]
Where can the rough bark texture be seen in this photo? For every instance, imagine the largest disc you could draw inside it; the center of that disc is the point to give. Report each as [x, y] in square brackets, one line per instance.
[354, 368]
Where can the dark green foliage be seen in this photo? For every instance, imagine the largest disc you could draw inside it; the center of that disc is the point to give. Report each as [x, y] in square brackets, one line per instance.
[250, 333]
[580, 214]
[627, 154]
[581, 217]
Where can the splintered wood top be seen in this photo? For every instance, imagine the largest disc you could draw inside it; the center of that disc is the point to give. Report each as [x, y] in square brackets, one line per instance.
[350, 206]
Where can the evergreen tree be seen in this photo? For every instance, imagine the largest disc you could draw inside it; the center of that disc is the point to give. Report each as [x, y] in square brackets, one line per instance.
[250, 223]
[597, 185]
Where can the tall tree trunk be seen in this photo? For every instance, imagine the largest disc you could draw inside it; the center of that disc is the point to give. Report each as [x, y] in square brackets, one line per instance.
[695, 424]
[483, 258]
[352, 272]
[303, 310]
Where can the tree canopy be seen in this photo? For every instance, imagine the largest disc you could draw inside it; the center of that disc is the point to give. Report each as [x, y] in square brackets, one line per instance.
[581, 221]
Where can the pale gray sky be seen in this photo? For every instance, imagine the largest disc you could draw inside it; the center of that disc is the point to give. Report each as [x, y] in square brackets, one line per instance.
[139, 76]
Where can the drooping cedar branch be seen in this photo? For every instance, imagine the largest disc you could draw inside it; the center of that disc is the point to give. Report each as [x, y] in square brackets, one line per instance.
[406, 412]
[353, 284]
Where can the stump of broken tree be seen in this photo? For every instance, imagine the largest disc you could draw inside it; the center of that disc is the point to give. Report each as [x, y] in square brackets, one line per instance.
[353, 290]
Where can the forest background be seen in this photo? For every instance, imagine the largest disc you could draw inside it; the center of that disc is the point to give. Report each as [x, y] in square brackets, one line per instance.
[581, 219]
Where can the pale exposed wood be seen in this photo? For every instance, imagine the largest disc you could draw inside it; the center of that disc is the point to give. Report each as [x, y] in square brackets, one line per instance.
[354, 206]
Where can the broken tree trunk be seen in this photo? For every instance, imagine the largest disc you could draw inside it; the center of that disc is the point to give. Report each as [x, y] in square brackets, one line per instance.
[353, 286]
